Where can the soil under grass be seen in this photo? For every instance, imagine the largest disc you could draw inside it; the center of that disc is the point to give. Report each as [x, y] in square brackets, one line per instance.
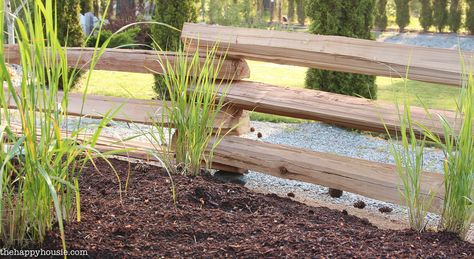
[214, 219]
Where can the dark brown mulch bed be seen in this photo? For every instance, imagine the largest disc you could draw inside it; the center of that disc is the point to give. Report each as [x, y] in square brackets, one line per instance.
[213, 219]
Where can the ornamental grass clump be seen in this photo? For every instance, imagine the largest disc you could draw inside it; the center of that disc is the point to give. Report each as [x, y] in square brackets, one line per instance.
[408, 156]
[40, 164]
[196, 97]
[458, 148]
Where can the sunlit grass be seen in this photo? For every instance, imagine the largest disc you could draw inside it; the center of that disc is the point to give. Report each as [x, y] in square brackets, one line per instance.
[434, 96]
[120, 84]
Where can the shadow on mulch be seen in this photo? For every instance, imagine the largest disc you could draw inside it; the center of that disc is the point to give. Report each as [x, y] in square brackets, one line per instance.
[213, 219]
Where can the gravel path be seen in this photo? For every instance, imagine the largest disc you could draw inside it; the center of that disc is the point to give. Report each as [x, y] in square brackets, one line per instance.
[448, 41]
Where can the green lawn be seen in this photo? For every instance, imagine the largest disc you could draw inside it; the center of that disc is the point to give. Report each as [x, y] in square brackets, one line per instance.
[121, 84]
[139, 86]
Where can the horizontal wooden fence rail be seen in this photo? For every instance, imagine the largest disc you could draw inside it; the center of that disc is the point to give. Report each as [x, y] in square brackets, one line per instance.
[374, 180]
[146, 112]
[332, 52]
[337, 109]
[139, 61]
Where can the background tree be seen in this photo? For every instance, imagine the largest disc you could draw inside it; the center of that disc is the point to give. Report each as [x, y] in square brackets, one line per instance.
[279, 6]
[87, 6]
[455, 12]
[69, 26]
[291, 11]
[272, 10]
[440, 14]
[97, 7]
[111, 11]
[470, 16]
[69, 29]
[403, 13]
[343, 18]
[426, 15]
[232, 13]
[381, 19]
[202, 10]
[247, 10]
[300, 11]
[215, 10]
[125, 7]
[174, 13]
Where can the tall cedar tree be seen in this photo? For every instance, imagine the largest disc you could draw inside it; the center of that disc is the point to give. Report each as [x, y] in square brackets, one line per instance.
[202, 9]
[470, 16]
[291, 10]
[174, 13]
[426, 15]
[403, 13]
[247, 12]
[455, 12]
[300, 11]
[342, 18]
[87, 6]
[69, 27]
[440, 14]
[214, 11]
[381, 19]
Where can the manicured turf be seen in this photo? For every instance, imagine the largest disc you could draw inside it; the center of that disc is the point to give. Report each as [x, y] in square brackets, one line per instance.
[140, 86]
[132, 85]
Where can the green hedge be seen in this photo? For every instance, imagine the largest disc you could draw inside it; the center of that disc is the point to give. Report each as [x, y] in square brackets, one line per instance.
[440, 14]
[174, 13]
[426, 15]
[403, 13]
[455, 12]
[381, 19]
[70, 32]
[470, 16]
[69, 27]
[343, 18]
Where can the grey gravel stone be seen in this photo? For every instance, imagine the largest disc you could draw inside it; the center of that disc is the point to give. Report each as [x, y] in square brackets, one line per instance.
[447, 41]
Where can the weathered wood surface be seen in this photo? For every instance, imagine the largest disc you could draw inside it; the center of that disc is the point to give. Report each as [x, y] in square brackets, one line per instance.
[139, 61]
[341, 110]
[370, 179]
[147, 112]
[331, 52]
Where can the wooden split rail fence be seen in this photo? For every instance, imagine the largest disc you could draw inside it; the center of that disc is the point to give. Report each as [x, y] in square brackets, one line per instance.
[374, 180]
